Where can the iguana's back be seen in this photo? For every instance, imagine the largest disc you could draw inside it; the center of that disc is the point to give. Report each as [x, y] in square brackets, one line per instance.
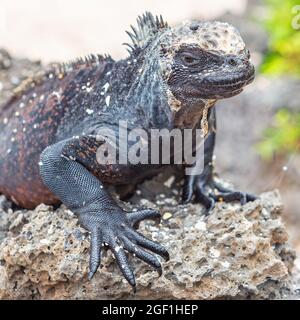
[51, 106]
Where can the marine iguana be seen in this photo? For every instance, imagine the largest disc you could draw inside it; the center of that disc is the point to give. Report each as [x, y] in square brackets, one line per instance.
[171, 79]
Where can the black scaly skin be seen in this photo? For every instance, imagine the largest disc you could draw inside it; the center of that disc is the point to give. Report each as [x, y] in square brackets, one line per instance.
[204, 186]
[50, 127]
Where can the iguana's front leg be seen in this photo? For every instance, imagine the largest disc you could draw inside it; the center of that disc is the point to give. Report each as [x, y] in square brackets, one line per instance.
[63, 170]
[204, 187]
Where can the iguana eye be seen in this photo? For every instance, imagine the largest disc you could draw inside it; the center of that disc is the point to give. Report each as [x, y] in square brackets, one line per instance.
[188, 60]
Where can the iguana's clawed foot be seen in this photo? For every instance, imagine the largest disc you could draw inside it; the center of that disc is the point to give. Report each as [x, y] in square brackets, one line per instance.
[206, 190]
[116, 230]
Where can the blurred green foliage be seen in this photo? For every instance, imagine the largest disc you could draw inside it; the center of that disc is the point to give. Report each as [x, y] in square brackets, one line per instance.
[283, 57]
[283, 136]
[284, 45]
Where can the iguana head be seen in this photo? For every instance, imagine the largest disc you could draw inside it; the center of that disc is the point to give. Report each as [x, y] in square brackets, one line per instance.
[199, 60]
[209, 60]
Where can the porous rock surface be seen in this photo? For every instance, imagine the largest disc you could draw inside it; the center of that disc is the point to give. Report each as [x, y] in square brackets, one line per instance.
[236, 252]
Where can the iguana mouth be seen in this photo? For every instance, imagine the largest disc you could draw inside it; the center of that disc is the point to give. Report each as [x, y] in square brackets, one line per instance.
[236, 83]
[232, 80]
[228, 86]
[220, 88]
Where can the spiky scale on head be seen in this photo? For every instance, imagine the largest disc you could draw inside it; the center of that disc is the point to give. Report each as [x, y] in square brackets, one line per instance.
[217, 46]
[202, 59]
[147, 27]
[199, 61]
[215, 36]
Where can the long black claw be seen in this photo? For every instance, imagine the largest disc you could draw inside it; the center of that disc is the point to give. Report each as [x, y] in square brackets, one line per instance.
[187, 195]
[142, 254]
[251, 197]
[211, 207]
[246, 197]
[231, 196]
[198, 186]
[122, 262]
[95, 253]
[147, 243]
[243, 199]
[187, 190]
[207, 201]
[138, 216]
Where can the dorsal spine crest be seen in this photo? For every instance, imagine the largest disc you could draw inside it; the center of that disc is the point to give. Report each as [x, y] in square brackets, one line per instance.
[147, 27]
[59, 71]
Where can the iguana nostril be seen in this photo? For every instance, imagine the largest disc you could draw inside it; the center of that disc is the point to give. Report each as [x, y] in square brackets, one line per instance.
[232, 61]
[194, 26]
